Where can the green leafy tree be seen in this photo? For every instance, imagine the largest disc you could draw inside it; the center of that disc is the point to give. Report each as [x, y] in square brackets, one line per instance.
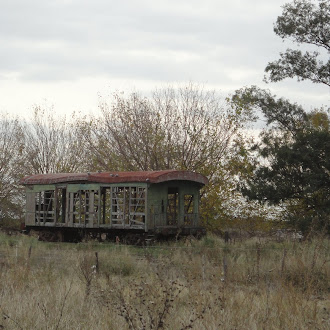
[294, 159]
[303, 22]
[293, 154]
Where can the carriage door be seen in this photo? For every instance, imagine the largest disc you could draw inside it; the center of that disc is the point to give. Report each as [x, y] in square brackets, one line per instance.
[172, 206]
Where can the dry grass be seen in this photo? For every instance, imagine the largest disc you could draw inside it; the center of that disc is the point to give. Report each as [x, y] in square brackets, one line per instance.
[201, 285]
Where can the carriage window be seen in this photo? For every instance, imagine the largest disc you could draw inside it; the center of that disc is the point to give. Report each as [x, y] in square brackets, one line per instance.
[84, 206]
[105, 205]
[137, 206]
[61, 204]
[44, 201]
[128, 206]
[120, 204]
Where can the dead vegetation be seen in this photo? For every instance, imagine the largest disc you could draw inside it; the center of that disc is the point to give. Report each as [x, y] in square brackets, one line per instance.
[207, 285]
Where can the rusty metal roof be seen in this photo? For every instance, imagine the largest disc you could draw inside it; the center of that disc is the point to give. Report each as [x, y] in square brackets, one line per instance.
[115, 177]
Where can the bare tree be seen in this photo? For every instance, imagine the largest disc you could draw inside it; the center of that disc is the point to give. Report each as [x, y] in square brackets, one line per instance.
[185, 128]
[10, 167]
[51, 144]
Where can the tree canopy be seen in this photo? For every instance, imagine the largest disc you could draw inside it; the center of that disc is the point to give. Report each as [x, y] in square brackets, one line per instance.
[185, 128]
[293, 152]
[294, 159]
[303, 22]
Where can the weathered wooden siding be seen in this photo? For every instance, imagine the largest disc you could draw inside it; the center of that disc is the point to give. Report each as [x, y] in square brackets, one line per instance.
[158, 201]
[92, 205]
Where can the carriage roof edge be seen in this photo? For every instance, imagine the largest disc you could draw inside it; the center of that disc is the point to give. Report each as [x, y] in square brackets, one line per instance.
[114, 177]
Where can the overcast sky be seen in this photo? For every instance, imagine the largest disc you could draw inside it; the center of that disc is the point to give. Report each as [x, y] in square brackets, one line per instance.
[67, 52]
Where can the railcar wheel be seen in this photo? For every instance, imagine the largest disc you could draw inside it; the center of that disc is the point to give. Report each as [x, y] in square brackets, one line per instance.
[132, 239]
[47, 236]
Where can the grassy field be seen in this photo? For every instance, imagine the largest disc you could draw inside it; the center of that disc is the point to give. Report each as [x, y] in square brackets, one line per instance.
[202, 284]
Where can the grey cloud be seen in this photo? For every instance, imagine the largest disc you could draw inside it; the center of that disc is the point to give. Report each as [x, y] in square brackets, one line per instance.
[66, 40]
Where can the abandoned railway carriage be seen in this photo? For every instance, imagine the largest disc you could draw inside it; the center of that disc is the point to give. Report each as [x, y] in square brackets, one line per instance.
[128, 205]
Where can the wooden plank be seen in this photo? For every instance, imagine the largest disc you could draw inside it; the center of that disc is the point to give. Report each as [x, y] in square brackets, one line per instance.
[43, 187]
[30, 209]
[90, 209]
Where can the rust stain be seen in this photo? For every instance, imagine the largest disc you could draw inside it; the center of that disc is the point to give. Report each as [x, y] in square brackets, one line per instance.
[115, 177]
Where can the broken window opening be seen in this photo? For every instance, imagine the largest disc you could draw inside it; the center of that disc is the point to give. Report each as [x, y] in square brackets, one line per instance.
[127, 206]
[137, 206]
[44, 201]
[84, 207]
[119, 206]
[61, 204]
[106, 206]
